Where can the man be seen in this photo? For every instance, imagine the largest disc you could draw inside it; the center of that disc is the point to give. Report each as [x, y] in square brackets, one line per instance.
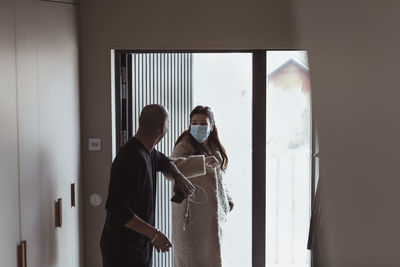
[129, 234]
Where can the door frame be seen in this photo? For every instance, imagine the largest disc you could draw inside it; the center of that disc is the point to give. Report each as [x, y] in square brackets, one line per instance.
[123, 122]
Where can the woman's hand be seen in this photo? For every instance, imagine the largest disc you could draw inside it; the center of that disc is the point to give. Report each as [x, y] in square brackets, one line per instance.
[212, 162]
[161, 242]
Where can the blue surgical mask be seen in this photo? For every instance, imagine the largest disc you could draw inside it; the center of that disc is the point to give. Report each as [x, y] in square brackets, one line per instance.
[200, 132]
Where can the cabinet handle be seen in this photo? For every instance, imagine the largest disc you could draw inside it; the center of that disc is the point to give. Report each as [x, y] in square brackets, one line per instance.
[73, 202]
[22, 254]
[58, 212]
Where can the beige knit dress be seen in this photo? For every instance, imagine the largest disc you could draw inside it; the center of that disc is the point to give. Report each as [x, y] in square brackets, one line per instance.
[197, 239]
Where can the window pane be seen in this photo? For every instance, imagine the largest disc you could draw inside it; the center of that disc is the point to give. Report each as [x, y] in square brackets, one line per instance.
[288, 159]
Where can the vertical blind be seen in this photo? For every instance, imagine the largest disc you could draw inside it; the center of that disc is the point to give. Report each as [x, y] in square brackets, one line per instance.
[166, 79]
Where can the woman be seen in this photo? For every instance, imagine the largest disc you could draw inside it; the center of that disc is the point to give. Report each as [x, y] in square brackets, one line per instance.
[197, 221]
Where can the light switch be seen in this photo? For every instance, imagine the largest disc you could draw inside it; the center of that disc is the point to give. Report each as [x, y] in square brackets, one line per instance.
[94, 144]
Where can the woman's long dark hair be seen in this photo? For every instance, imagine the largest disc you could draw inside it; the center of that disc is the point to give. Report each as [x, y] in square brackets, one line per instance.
[213, 139]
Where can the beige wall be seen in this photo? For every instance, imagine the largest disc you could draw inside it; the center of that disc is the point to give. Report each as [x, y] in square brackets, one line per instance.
[40, 147]
[353, 51]
[156, 25]
[354, 57]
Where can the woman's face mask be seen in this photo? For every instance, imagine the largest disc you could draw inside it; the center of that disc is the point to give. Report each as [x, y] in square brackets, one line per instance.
[200, 127]
[200, 132]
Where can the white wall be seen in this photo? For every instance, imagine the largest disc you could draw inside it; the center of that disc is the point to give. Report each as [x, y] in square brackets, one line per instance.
[46, 112]
[354, 57]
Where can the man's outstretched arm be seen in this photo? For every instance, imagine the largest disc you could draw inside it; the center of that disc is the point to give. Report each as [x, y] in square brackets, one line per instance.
[182, 184]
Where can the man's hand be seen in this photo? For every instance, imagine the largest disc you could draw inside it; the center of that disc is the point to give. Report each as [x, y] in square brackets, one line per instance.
[158, 239]
[161, 242]
[183, 185]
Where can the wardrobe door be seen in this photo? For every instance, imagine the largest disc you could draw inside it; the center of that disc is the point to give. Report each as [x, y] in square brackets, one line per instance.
[47, 57]
[59, 128]
[9, 195]
[33, 217]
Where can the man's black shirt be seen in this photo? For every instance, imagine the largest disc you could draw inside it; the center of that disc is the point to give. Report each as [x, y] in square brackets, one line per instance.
[132, 191]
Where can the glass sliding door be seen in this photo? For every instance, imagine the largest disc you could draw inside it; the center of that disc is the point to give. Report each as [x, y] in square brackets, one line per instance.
[288, 163]
[223, 81]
